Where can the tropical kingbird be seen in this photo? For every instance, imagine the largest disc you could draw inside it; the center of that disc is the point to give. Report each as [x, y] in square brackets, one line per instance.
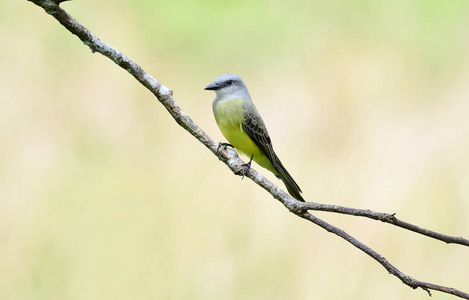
[243, 127]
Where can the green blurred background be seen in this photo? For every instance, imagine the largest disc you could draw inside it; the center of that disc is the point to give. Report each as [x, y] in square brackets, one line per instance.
[104, 196]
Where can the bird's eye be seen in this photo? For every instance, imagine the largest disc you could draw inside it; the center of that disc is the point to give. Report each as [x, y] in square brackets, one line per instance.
[230, 82]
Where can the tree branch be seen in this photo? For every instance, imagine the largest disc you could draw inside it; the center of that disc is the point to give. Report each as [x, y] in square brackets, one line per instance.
[231, 159]
[383, 217]
[413, 283]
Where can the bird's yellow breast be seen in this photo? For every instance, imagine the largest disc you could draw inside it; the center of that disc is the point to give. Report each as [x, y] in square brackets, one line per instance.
[230, 115]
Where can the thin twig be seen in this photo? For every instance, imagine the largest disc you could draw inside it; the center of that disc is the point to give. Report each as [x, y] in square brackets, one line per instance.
[413, 283]
[229, 156]
[383, 217]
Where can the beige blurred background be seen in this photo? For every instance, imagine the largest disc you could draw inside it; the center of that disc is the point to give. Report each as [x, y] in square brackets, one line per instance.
[104, 196]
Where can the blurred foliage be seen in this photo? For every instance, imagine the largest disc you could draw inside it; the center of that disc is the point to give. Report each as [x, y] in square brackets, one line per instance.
[103, 196]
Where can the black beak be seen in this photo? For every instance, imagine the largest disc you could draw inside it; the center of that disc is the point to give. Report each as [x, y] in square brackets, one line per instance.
[212, 86]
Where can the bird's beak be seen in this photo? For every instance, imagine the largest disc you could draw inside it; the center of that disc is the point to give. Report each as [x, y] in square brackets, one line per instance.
[211, 86]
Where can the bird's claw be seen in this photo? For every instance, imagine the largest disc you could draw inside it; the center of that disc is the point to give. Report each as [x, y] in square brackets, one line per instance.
[248, 167]
[224, 146]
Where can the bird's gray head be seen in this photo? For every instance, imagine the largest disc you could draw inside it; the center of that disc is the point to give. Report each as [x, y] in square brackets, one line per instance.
[228, 86]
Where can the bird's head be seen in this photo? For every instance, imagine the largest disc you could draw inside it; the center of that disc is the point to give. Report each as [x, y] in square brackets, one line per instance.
[228, 85]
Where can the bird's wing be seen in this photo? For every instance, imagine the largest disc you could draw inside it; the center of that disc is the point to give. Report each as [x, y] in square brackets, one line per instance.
[256, 130]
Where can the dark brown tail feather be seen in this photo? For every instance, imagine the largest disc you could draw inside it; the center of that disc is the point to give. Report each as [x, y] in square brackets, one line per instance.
[291, 185]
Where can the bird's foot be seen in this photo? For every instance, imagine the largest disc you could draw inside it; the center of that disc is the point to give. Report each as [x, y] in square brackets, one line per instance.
[248, 167]
[224, 145]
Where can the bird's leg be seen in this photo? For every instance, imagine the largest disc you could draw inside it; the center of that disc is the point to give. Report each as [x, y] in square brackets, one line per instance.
[248, 167]
[224, 145]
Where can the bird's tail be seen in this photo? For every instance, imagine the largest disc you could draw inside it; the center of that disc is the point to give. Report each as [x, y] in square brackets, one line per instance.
[291, 185]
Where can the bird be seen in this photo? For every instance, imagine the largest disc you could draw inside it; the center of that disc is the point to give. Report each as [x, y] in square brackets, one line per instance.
[243, 127]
